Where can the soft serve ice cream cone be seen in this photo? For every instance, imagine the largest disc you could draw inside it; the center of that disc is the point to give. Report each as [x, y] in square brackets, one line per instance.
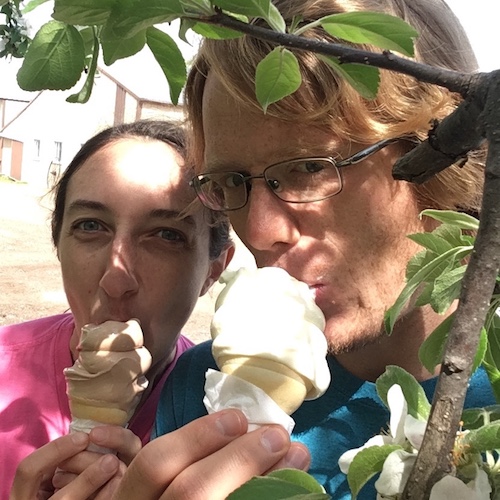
[268, 330]
[106, 382]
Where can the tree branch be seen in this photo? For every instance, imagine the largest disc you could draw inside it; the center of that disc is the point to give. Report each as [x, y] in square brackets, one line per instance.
[435, 457]
[452, 80]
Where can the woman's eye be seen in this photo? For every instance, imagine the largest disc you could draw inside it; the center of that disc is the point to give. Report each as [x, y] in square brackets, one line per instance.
[88, 225]
[170, 235]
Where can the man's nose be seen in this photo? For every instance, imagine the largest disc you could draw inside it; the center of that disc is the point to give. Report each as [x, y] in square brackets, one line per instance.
[269, 220]
[119, 277]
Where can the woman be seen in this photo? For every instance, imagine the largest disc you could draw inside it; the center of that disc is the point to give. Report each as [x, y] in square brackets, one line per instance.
[126, 251]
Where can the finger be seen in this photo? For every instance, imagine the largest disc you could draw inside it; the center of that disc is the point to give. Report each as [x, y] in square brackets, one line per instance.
[90, 480]
[124, 441]
[39, 466]
[72, 468]
[161, 460]
[217, 475]
[297, 457]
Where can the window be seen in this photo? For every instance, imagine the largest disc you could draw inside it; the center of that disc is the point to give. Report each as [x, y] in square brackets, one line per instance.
[37, 149]
[57, 151]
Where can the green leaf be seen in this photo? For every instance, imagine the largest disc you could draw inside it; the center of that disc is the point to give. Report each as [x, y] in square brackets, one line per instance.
[491, 361]
[277, 76]
[30, 5]
[298, 477]
[215, 32]
[432, 349]
[84, 95]
[126, 22]
[255, 8]
[83, 12]
[198, 7]
[366, 464]
[431, 241]
[474, 418]
[447, 289]
[55, 58]
[273, 488]
[418, 404]
[425, 296]
[364, 79]
[461, 220]
[185, 25]
[170, 59]
[421, 276]
[115, 48]
[381, 30]
[482, 439]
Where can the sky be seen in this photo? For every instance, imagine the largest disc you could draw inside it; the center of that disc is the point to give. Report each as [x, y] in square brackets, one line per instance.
[144, 77]
[480, 19]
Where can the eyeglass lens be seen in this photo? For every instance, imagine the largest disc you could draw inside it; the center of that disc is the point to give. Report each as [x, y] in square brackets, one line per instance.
[296, 181]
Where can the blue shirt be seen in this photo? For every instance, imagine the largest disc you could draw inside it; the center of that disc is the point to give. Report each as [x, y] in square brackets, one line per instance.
[345, 417]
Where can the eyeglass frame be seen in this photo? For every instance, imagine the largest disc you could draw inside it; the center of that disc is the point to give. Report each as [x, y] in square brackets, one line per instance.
[195, 182]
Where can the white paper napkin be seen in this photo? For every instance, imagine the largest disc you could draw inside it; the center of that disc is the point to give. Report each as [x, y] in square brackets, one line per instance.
[227, 391]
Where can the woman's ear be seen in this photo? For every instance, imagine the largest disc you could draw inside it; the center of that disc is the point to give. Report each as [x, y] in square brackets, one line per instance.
[217, 266]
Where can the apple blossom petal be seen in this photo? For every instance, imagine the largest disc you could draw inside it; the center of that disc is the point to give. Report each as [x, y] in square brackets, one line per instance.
[451, 487]
[481, 485]
[347, 457]
[399, 409]
[395, 473]
[414, 431]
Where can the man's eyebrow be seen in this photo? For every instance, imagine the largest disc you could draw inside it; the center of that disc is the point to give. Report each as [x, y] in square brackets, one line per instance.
[164, 213]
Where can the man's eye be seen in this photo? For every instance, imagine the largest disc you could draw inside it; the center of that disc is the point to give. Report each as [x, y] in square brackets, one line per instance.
[170, 235]
[311, 167]
[233, 180]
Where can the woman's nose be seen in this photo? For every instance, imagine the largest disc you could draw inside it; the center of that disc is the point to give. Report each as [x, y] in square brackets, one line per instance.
[268, 220]
[119, 277]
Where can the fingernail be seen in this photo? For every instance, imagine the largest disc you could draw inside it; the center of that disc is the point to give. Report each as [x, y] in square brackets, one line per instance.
[99, 434]
[79, 438]
[229, 423]
[274, 439]
[109, 463]
[297, 458]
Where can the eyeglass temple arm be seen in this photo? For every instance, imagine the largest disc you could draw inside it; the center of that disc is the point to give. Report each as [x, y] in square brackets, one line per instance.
[356, 158]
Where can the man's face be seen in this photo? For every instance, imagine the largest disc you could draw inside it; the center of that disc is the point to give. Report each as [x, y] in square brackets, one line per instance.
[351, 248]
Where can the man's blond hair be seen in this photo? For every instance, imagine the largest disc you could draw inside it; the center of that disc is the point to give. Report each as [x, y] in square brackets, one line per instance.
[404, 107]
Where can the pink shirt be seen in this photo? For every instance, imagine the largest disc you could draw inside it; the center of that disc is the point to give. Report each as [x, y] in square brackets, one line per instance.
[33, 403]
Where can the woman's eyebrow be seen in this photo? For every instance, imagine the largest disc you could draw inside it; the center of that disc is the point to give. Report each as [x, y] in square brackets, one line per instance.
[81, 204]
[164, 213]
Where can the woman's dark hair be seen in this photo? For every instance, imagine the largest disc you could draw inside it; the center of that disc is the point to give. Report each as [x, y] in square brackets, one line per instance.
[160, 130]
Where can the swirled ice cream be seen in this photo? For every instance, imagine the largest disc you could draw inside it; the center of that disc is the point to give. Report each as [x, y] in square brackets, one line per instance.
[106, 382]
[268, 330]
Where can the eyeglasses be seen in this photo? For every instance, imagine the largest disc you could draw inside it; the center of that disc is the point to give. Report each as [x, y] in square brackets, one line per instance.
[301, 180]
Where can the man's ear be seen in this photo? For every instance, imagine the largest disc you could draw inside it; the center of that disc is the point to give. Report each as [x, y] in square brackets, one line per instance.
[217, 266]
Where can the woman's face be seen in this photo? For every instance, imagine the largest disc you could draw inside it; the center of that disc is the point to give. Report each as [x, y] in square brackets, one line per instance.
[123, 250]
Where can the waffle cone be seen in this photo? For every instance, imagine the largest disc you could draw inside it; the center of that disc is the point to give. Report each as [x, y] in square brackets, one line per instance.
[104, 415]
[286, 387]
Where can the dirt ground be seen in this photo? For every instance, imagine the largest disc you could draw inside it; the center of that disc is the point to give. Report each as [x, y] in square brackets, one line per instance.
[30, 280]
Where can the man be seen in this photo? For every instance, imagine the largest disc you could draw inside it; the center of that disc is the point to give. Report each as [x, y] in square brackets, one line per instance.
[346, 234]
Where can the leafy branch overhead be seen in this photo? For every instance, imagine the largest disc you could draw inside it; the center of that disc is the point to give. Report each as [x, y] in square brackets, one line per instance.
[66, 47]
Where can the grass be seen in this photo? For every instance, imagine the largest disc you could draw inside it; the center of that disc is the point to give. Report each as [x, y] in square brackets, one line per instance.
[6, 179]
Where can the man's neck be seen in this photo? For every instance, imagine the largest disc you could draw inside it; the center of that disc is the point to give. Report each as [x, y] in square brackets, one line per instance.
[400, 348]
